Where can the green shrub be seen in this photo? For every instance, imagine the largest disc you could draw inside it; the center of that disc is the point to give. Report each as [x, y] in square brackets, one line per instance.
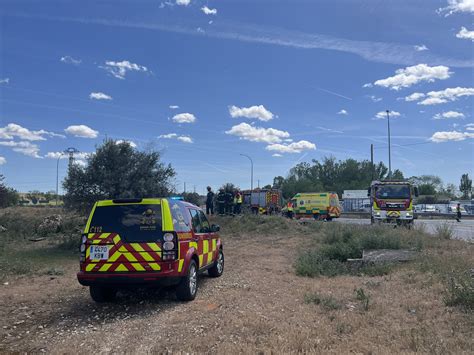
[312, 263]
[460, 290]
[327, 302]
[363, 298]
[445, 231]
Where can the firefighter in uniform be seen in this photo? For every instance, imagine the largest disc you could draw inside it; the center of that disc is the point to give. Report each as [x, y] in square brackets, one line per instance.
[238, 202]
[209, 201]
[290, 210]
[229, 201]
[221, 202]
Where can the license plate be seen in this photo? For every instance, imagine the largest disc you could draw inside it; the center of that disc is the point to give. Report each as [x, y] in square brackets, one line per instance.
[99, 252]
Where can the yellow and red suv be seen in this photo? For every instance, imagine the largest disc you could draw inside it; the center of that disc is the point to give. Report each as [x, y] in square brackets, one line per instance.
[146, 242]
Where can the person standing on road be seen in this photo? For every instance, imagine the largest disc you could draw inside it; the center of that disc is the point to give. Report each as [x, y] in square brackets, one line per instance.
[210, 201]
[458, 212]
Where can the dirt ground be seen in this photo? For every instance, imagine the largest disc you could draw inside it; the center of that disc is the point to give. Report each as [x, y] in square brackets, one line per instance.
[256, 306]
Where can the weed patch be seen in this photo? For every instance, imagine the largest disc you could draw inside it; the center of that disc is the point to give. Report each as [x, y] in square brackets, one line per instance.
[328, 253]
[327, 302]
[460, 290]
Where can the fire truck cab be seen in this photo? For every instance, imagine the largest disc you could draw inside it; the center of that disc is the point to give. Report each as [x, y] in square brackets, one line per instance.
[392, 202]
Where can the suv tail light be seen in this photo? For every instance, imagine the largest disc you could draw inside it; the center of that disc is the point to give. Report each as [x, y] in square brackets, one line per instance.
[169, 248]
[82, 248]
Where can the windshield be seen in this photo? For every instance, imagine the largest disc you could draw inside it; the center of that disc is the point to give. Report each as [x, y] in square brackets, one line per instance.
[392, 191]
[134, 223]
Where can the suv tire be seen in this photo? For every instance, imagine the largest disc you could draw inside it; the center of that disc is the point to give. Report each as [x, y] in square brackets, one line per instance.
[102, 294]
[187, 288]
[218, 268]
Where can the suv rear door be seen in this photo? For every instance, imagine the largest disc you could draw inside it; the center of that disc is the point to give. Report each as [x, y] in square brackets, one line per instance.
[124, 238]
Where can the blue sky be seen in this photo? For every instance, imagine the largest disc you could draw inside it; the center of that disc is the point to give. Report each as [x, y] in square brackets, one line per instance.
[282, 81]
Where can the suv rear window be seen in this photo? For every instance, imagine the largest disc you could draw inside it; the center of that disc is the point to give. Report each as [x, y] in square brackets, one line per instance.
[134, 223]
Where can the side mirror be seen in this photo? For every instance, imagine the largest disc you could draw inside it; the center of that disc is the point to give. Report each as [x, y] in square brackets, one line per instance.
[416, 191]
[215, 228]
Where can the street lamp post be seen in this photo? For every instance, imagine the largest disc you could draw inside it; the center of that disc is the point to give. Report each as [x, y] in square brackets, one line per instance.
[389, 147]
[57, 177]
[251, 170]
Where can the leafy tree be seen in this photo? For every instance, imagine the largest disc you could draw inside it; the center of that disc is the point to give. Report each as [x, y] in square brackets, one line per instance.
[228, 187]
[465, 186]
[117, 171]
[397, 175]
[192, 197]
[331, 175]
[267, 186]
[426, 190]
[278, 182]
[8, 196]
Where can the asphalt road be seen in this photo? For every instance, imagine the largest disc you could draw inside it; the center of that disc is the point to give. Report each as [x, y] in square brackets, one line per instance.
[463, 230]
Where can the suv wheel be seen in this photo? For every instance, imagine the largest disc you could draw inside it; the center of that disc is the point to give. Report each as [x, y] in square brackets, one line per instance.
[218, 268]
[102, 294]
[187, 288]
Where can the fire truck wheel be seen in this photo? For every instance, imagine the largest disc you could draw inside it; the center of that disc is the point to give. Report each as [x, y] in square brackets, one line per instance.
[218, 268]
[187, 288]
[102, 294]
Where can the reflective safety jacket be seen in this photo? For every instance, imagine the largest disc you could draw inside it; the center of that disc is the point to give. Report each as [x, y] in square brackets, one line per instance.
[290, 207]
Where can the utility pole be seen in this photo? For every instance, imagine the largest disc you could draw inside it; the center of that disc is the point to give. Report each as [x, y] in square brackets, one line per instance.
[185, 187]
[251, 170]
[389, 147]
[57, 177]
[372, 167]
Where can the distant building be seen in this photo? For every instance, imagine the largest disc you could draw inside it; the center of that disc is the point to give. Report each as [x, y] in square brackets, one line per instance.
[355, 201]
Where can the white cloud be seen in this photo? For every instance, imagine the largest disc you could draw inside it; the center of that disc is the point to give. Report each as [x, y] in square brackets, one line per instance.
[296, 147]
[469, 127]
[449, 114]
[367, 85]
[277, 155]
[63, 155]
[99, 96]
[184, 139]
[120, 69]
[415, 96]
[409, 76]
[14, 130]
[443, 96]
[70, 60]
[168, 136]
[258, 134]
[3, 160]
[456, 136]
[184, 118]
[457, 6]
[80, 162]
[23, 147]
[342, 112]
[208, 11]
[81, 131]
[464, 33]
[375, 98]
[259, 112]
[5, 81]
[383, 115]
[183, 2]
[420, 48]
[173, 107]
[132, 143]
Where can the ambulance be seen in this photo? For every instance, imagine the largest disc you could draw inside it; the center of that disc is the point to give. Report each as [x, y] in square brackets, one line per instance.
[129, 243]
[317, 205]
